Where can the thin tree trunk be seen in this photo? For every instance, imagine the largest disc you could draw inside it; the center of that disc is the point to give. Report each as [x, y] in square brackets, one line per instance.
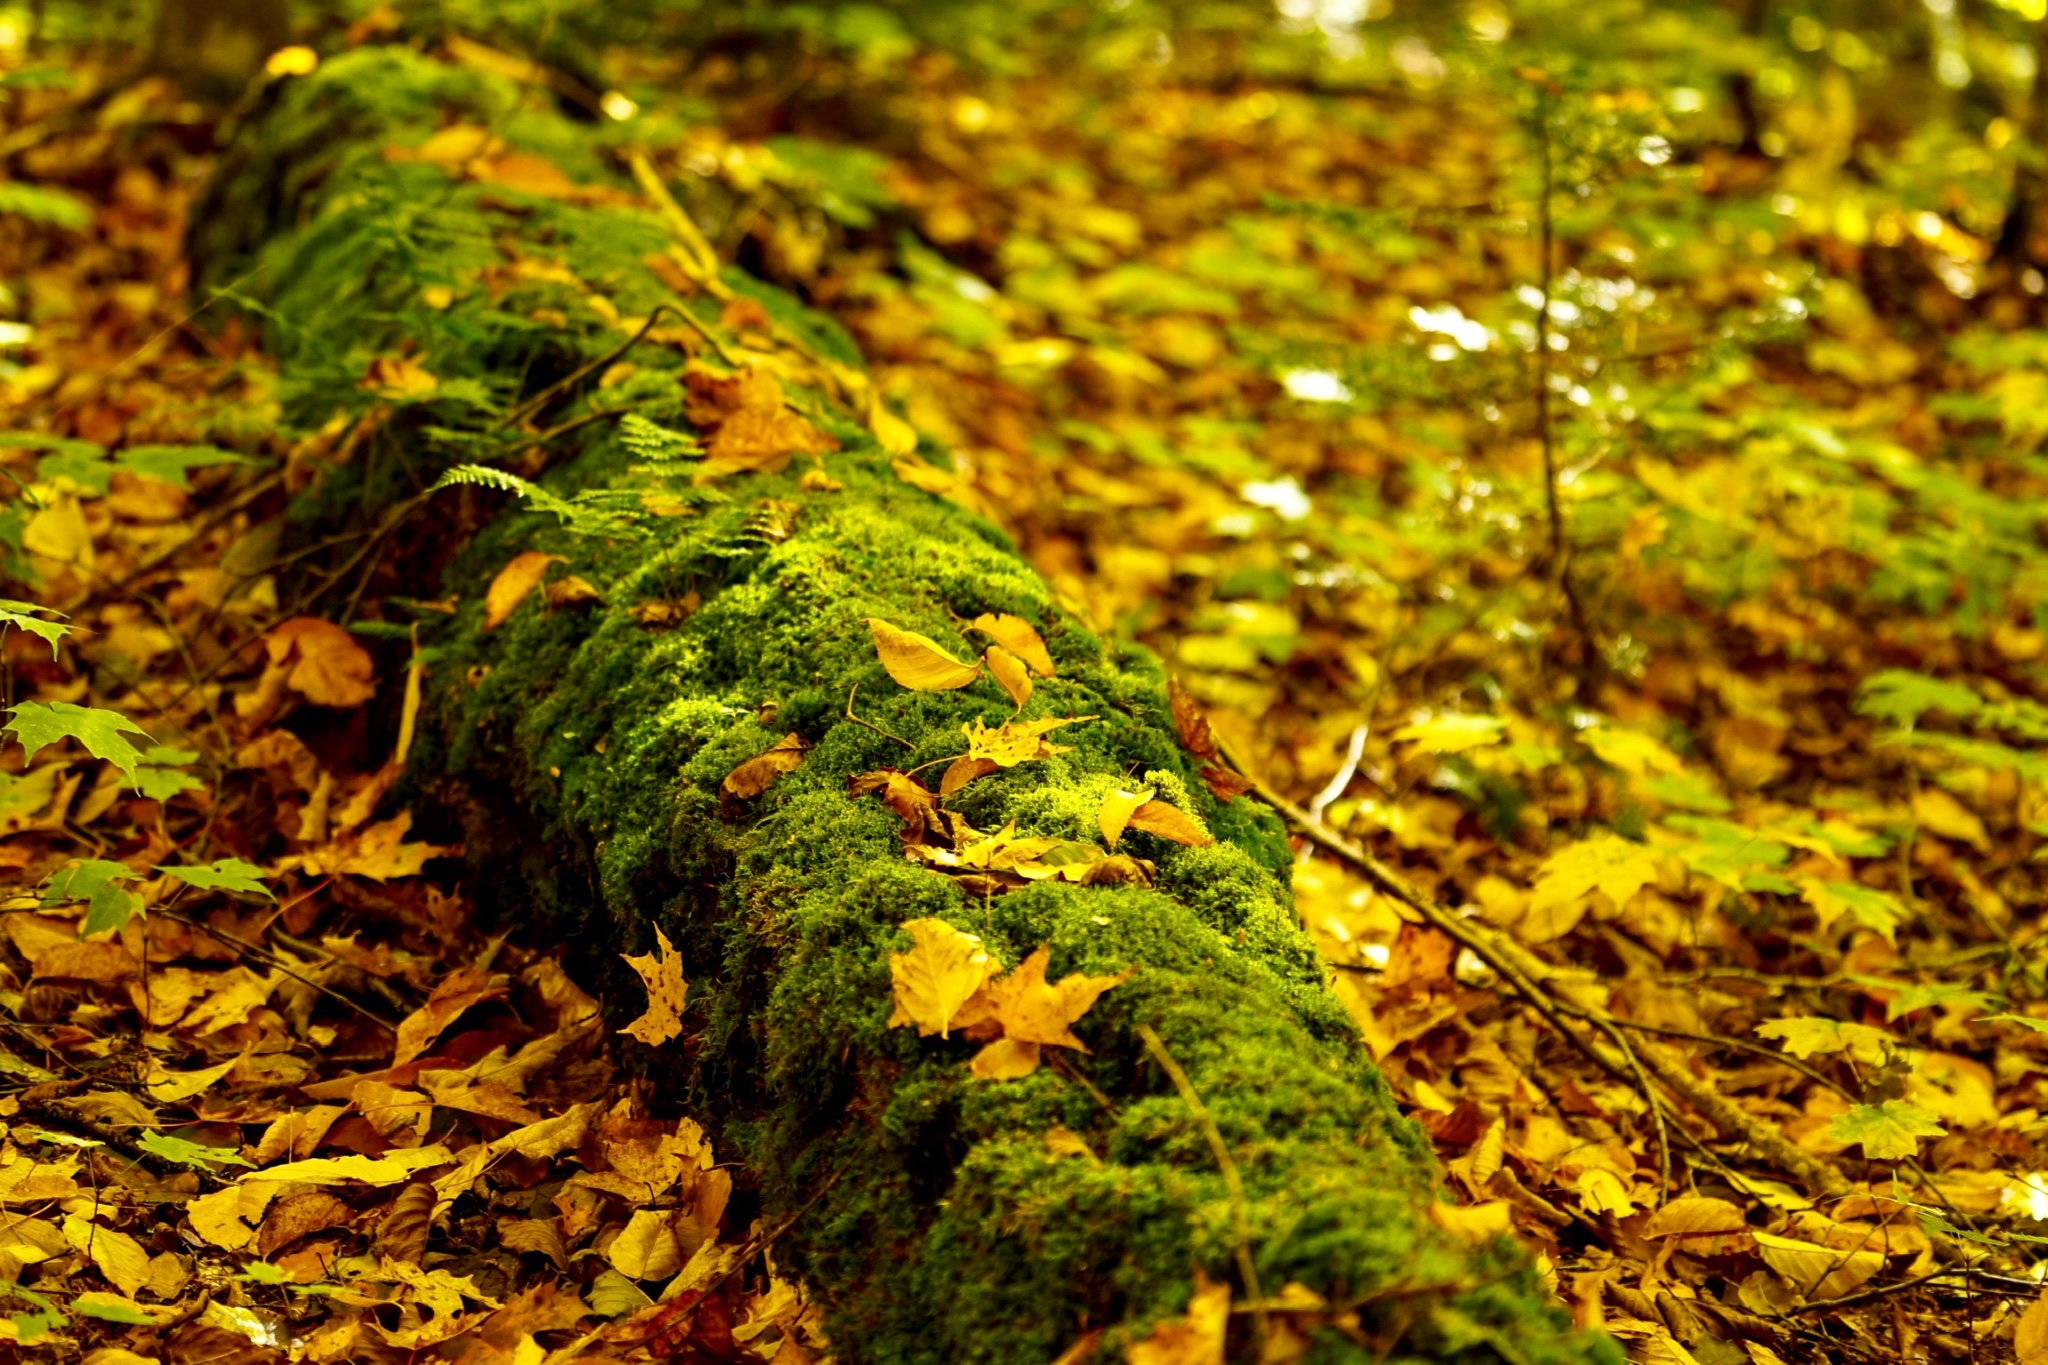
[942, 1218]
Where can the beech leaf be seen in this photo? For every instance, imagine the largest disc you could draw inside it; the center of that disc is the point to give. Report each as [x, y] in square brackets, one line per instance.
[1020, 638]
[1116, 812]
[520, 576]
[759, 773]
[917, 662]
[942, 971]
[1009, 671]
[1170, 822]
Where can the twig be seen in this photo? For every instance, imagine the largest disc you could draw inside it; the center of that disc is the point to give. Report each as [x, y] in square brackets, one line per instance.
[1231, 1181]
[870, 725]
[1766, 1137]
[533, 405]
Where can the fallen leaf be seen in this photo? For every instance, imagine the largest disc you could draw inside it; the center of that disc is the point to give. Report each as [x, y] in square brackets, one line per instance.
[759, 773]
[229, 1216]
[1009, 672]
[964, 770]
[666, 991]
[1006, 1059]
[1942, 814]
[396, 376]
[402, 1235]
[940, 974]
[1170, 822]
[1817, 1272]
[1195, 735]
[647, 1248]
[1696, 1216]
[168, 1087]
[1890, 1131]
[1033, 1010]
[1020, 638]
[379, 852]
[917, 662]
[1016, 741]
[914, 803]
[456, 992]
[118, 1256]
[1117, 809]
[520, 576]
[394, 1167]
[325, 664]
[1196, 1339]
[2030, 1334]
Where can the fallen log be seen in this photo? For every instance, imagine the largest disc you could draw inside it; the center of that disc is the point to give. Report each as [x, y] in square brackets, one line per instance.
[661, 707]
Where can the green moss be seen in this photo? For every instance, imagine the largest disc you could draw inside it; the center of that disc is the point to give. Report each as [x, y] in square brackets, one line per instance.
[587, 753]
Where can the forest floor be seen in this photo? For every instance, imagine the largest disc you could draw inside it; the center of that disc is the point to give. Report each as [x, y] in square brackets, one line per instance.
[1742, 787]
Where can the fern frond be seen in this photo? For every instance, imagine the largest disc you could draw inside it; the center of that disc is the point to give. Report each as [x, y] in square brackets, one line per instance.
[647, 441]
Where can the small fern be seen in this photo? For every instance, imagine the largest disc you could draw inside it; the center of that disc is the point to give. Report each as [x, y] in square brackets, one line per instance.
[648, 441]
[587, 514]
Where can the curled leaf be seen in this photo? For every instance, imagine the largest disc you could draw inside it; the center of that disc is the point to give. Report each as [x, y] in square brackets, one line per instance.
[1116, 812]
[917, 662]
[1170, 822]
[520, 576]
[1018, 636]
[963, 770]
[759, 773]
[1010, 672]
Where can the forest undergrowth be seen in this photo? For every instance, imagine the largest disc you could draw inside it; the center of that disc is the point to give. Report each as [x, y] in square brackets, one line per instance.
[1617, 557]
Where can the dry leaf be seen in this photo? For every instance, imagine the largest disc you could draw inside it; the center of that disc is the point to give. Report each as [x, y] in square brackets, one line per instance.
[1033, 1010]
[666, 991]
[1817, 1272]
[402, 1235]
[1017, 635]
[456, 992]
[759, 773]
[321, 661]
[2030, 1334]
[394, 1167]
[1009, 671]
[1117, 808]
[520, 576]
[1016, 741]
[940, 974]
[913, 802]
[963, 770]
[119, 1257]
[647, 1249]
[917, 662]
[1195, 735]
[300, 1215]
[168, 1087]
[1006, 1059]
[1170, 822]
[394, 376]
[379, 852]
[1196, 1339]
[1696, 1217]
[228, 1217]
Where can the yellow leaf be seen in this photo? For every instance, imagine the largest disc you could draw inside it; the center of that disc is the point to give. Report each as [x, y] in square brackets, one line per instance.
[392, 376]
[168, 1087]
[892, 433]
[1016, 741]
[395, 1167]
[666, 991]
[1006, 1059]
[1473, 1222]
[1634, 753]
[1117, 808]
[1944, 815]
[1452, 734]
[1017, 635]
[1033, 1010]
[321, 661]
[2030, 1334]
[1196, 1339]
[1817, 1272]
[1696, 1216]
[1170, 822]
[1607, 864]
[291, 61]
[1602, 1192]
[229, 1217]
[647, 1249]
[520, 576]
[119, 1257]
[759, 773]
[917, 662]
[59, 534]
[454, 993]
[941, 973]
[1009, 670]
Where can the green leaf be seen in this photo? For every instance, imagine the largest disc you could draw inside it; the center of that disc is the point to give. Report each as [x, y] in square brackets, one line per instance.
[189, 1153]
[1873, 909]
[647, 441]
[98, 883]
[38, 725]
[17, 614]
[84, 465]
[161, 784]
[40, 204]
[2024, 1020]
[225, 874]
[1902, 696]
[111, 1308]
[170, 463]
[1687, 791]
[1888, 1131]
[1914, 996]
[1804, 1037]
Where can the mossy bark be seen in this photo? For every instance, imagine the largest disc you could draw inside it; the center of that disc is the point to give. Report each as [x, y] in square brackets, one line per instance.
[588, 745]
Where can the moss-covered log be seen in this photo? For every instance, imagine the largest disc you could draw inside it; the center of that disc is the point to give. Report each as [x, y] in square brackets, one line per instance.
[585, 745]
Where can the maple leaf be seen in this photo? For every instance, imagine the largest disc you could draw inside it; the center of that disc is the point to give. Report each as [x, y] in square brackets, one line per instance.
[223, 874]
[96, 882]
[1016, 741]
[39, 724]
[320, 661]
[914, 803]
[944, 969]
[917, 661]
[1608, 864]
[1868, 906]
[1033, 1010]
[1805, 1037]
[379, 852]
[1196, 1339]
[1633, 752]
[511, 585]
[1888, 1131]
[662, 972]
[456, 992]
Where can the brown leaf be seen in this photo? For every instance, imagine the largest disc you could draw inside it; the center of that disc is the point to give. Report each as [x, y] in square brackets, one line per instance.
[535, 1234]
[300, 1215]
[917, 662]
[321, 661]
[461, 988]
[1009, 671]
[102, 962]
[570, 592]
[963, 770]
[1117, 808]
[1224, 784]
[402, 1235]
[202, 1343]
[1695, 1217]
[378, 852]
[520, 576]
[912, 801]
[1195, 735]
[1020, 638]
[1170, 822]
[1016, 741]
[666, 992]
[759, 773]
